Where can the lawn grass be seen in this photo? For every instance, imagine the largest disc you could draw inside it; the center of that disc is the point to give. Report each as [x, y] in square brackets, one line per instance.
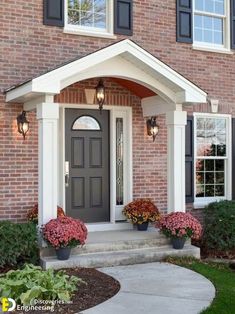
[221, 276]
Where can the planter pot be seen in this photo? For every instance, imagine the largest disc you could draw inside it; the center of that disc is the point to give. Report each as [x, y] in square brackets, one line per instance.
[143, 226]
[178, 243]
[63, 253]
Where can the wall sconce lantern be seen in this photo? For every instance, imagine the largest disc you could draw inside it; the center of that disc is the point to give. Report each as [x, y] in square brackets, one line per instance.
[100, 94]
[152, 127]
[23, 124]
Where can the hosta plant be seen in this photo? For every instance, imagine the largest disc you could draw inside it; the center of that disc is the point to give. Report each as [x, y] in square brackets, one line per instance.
[180, 225]
[30, 283]
[141, 210]
[32, 214]
[64, 232]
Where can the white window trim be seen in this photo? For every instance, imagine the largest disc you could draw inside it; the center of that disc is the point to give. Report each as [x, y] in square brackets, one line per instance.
[116, 215]
[225, 48]
[89, 31]
[203, 201]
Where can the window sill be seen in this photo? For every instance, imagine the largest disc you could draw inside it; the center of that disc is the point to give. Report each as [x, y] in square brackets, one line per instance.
[89, 33]
[212, 49]
[198, 204]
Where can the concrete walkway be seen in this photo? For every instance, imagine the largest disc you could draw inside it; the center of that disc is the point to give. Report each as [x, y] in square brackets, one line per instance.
[156, 288]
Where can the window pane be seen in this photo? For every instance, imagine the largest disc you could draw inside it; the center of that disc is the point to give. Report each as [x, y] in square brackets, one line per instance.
[209, 191]
[87, 13]
[211, 137]
[211, 6]
[119, 161]
[199, 5]
[200, 191]
[86, 123]
[219, 177]
[219, 190]
[208, 29]
[219, 165]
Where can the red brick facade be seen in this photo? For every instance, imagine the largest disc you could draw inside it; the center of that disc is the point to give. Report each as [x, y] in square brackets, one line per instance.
[28, 48]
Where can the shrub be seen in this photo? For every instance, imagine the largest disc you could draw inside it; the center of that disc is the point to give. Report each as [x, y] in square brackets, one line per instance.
[18, 243]
[141, 210]
[219, 226]
[180, 225]
[31, 282]
[64, 232]
[32, 214]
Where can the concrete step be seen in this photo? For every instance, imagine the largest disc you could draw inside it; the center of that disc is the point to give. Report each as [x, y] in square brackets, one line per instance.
[122, 257]
[107, 241]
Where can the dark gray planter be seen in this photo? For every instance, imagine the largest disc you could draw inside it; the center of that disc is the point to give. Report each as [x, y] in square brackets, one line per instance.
[178, 243]
[143, 226]
[63, 253]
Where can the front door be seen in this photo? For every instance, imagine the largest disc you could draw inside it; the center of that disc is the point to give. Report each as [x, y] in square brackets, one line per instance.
[87, 159]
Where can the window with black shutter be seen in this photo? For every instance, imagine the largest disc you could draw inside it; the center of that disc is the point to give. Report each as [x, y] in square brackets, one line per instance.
[95, 18]
[206, 24]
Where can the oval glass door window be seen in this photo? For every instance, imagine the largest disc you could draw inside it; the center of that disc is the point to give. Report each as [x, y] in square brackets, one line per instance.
[86, 123]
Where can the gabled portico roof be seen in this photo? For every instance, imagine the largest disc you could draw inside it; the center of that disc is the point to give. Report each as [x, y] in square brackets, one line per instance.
[124, 59]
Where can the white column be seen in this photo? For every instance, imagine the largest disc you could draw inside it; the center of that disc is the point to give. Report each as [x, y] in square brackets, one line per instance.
[176, 121]
[47, 115]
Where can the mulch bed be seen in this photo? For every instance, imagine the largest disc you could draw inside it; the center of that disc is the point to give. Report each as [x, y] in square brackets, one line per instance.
[99, 287]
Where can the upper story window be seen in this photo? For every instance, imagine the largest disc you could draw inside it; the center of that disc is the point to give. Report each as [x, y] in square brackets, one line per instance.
[210, 21]
[212, 157]
[206, 24]
[89, 16]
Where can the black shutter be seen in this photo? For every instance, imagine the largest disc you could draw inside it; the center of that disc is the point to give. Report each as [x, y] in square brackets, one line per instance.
[232, 23]
[123, 17]
[53, 12]
[184, 21]
[233, 158]
[189, 161]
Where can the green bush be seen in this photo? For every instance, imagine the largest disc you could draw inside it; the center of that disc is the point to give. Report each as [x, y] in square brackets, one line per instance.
[18, 244]
[219, 228]
[31, 282]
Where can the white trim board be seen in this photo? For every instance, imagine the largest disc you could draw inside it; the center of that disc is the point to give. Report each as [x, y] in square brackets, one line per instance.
[124, 59]
[124, 112]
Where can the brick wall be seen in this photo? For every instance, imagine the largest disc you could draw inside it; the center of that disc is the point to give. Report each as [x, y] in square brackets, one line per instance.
[28, 48]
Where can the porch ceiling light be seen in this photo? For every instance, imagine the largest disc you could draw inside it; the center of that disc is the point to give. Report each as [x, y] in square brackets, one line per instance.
[23, 124]
[100, 94]
[152, 127]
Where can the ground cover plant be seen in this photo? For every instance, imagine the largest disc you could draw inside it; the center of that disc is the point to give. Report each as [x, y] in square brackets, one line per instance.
[223, 278]
[31, 282]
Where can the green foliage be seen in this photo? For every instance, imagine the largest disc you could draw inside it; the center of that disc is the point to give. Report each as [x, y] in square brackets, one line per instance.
[219, 228]
[31, 283]
[221, 276]
[18, 243]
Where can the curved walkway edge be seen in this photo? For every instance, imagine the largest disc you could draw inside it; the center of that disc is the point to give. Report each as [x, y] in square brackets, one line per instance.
[156, 288]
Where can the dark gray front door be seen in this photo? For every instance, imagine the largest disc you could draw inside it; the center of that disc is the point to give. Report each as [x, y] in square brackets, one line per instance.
[87, 151]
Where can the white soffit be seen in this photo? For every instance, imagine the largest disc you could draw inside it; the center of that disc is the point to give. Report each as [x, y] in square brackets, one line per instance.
[124, 59]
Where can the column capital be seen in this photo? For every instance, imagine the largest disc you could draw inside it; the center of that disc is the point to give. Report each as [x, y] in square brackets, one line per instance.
[176, 117]
[48, 111]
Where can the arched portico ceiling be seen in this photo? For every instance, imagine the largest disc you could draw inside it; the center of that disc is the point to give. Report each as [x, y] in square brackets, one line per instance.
[125, 60]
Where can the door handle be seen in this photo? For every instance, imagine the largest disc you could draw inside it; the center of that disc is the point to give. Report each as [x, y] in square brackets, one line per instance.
[67, 173]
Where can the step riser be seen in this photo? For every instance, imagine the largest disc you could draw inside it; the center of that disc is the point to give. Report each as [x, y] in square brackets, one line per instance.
[104, 260]
[112, 246]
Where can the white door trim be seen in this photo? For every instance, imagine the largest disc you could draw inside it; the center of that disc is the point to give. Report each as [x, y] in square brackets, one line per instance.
[124, 112]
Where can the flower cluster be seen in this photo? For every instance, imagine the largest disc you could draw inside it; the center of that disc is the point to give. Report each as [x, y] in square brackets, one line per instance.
[32, 214]
[180, 225]
[64, 232]
[141, 210]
